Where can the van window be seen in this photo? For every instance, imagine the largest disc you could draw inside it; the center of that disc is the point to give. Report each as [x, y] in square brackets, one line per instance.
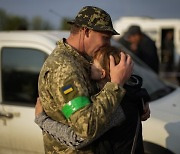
[20, 70]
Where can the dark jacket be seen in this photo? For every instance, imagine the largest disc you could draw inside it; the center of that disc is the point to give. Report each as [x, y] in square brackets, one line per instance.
[148, 53]
[119, 140]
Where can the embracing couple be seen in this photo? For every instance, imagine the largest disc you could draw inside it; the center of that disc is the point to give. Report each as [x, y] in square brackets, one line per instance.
[89, 100]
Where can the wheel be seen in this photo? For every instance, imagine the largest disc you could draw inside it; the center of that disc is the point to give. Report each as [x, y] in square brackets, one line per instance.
[151, 148]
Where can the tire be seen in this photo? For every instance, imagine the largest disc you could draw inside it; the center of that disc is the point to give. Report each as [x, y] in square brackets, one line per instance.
[151, 148]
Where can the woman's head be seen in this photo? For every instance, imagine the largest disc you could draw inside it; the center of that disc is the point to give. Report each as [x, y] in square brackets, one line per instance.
[101, 63]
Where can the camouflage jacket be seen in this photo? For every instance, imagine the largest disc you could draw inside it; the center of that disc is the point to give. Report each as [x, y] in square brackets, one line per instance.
[65, 67]
[65, 135]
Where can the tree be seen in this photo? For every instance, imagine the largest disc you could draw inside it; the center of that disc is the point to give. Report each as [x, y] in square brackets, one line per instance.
[39, 24]
[16, 23]
[3, 19]
[47, 25]
[64, 25]
[11, 22]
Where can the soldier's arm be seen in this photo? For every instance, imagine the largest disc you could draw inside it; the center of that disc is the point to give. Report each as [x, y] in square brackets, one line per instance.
[65, 134]
[86, 114]
[89, 121]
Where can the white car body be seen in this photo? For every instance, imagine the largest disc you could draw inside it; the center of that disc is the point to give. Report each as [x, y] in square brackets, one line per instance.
[18, 132]
[163, 128]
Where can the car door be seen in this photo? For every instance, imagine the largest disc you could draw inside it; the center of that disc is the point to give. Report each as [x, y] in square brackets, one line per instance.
[20, 68]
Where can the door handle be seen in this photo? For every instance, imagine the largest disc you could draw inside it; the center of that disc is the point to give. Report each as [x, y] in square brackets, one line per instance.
[6, 115]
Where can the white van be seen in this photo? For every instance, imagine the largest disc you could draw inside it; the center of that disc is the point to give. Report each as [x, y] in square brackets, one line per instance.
[21, 57]
[155, 28]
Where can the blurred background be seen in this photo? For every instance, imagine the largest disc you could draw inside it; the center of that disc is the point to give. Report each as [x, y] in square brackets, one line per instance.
[46, 14]
[53, 15]
[29, 29]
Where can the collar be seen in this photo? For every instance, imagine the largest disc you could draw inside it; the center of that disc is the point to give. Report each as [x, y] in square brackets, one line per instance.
[84, 59]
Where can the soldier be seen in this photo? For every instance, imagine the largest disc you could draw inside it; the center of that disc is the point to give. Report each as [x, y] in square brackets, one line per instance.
[65, 89]
[120, 134]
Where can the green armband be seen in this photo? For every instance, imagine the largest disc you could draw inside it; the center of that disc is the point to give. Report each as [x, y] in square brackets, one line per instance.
[74, 105]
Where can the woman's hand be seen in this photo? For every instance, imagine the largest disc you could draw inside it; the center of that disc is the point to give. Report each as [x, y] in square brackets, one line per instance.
[38, 107]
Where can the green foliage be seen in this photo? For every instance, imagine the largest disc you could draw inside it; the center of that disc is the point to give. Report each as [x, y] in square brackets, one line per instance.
[16, 23]
[3, 19]
[12, 22]
[39, 24]
[64, 25]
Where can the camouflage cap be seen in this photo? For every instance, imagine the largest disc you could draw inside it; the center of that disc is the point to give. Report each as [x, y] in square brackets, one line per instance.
[94, 18]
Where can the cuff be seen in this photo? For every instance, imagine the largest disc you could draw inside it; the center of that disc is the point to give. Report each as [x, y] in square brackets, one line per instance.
[114, 87]
[40, 118]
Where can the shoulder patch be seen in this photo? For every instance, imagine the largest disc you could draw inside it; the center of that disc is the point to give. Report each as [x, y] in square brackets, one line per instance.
[67, 89]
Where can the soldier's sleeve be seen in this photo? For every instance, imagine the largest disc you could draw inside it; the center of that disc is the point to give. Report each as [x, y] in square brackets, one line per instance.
[87, 115]
[65, 135]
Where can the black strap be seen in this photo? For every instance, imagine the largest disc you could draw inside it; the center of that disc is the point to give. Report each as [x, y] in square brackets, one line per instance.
[137, 132]
[136, 136]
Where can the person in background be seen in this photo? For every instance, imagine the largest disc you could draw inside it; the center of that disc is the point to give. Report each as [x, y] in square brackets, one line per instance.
[142, 46]
[67, 93]
[178, 72]
[119, 132]
[168, 51]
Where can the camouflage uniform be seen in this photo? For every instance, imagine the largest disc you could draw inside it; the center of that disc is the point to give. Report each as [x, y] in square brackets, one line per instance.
[65, 76]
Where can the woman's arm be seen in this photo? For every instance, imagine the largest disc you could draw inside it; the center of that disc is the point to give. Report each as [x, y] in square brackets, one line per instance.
[65, 134]
[62, 133]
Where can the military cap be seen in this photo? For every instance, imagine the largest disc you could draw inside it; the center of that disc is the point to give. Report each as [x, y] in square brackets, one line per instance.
[94, 18]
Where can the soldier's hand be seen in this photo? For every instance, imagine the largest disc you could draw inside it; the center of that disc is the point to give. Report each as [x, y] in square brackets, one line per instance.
[121, 72]
[38, 107]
